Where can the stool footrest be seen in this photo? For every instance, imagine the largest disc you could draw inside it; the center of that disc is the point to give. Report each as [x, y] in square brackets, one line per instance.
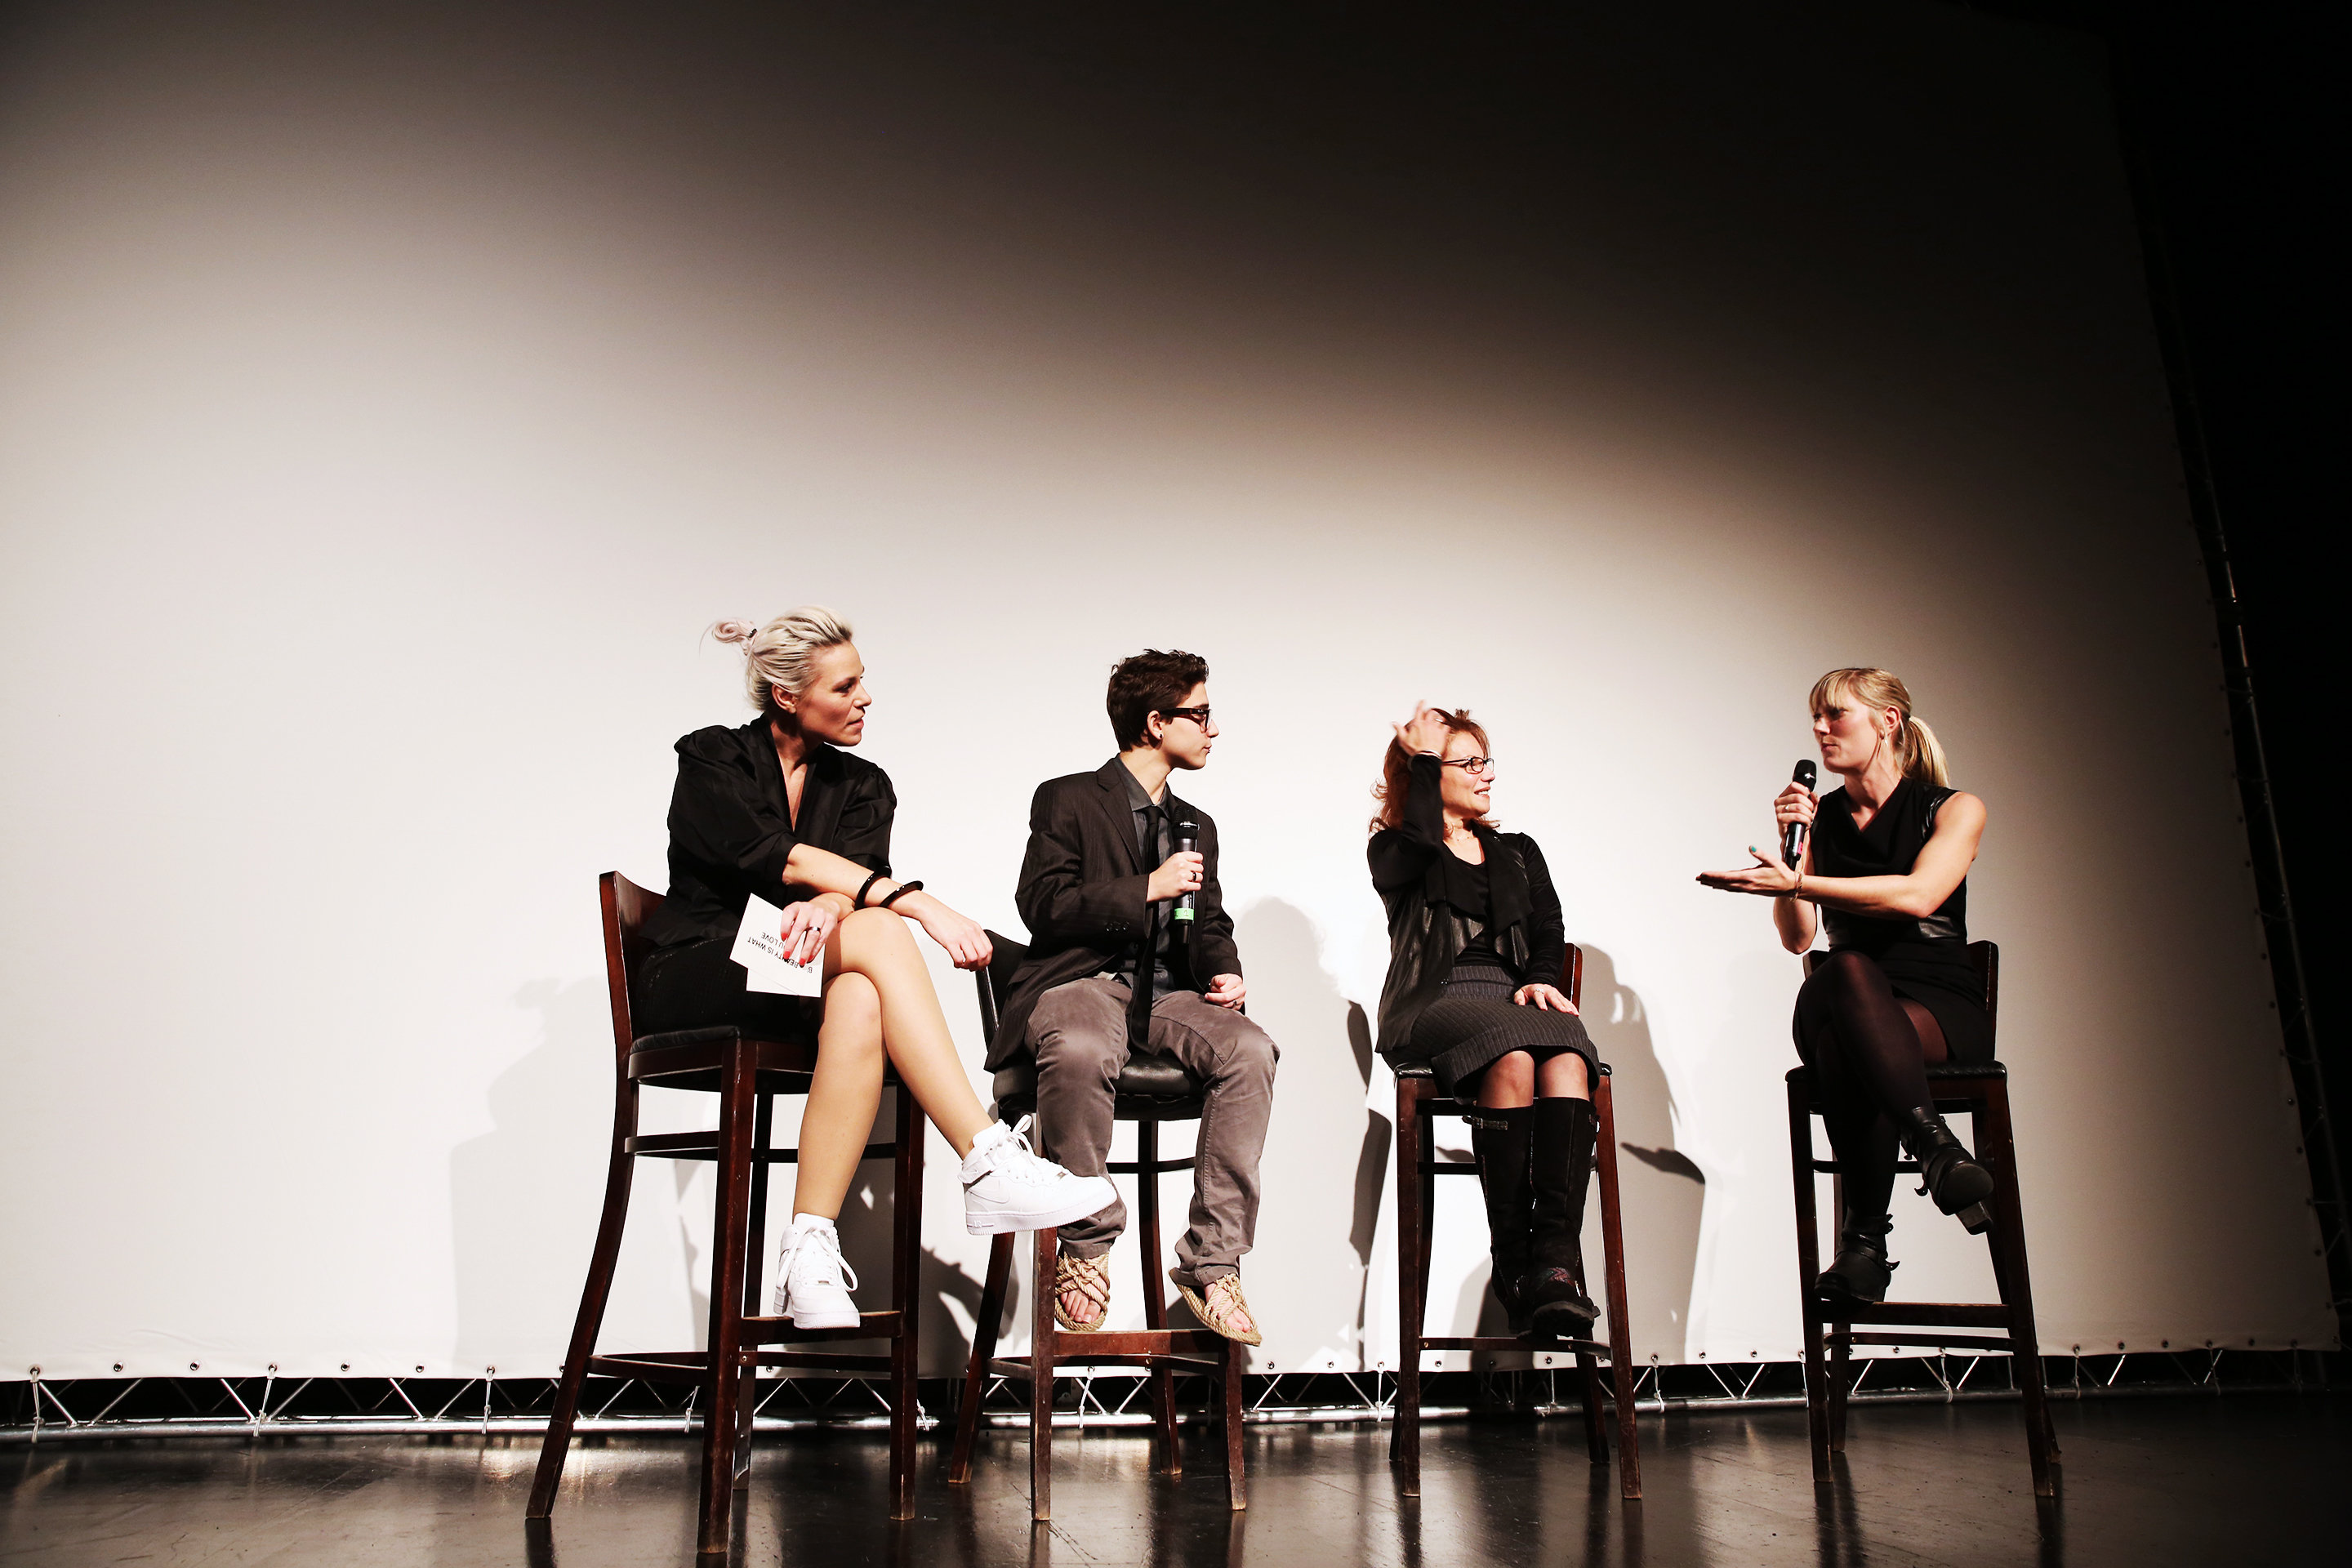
[780, 1330]
[1073, 1346]
[1021, 1369]
[654, 1366]
[1941, 1342]
[1132, 1168]
[1925, 1315]
[1518, 1343]
[820, 1361]
[705, 1146]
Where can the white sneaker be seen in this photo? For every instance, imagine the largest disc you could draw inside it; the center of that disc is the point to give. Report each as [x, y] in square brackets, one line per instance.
[1006, 1187]
[813, 1280]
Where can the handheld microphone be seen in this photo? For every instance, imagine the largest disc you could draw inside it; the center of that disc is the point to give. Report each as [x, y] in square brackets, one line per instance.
[1188, 842]
[1792, 835]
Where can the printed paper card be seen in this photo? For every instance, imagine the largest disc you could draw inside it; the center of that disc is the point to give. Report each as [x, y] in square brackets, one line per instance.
[760, 949]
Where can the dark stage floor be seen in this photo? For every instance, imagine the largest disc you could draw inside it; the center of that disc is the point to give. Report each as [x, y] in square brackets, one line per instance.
[2246, 1479]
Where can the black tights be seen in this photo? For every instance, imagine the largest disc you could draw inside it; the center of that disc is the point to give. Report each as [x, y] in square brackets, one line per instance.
[1869, 1050]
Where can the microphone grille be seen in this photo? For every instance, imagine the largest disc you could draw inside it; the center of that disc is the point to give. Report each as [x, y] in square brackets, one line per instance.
[1806, 773]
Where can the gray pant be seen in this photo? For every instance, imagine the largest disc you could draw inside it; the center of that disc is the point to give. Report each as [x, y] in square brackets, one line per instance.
[1080, 1034]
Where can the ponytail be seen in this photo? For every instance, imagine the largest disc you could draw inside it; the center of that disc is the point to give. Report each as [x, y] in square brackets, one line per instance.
[1921, 753]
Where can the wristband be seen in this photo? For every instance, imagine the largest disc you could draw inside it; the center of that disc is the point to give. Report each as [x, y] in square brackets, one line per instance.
[901, 892]
[863, 889]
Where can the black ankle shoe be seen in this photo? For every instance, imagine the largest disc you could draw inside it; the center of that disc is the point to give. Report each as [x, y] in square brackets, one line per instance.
[1947, 1172]
[1861, 1272]
[1556, 1309]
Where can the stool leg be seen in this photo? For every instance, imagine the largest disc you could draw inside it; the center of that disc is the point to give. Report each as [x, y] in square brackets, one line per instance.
[905, 1300]
[728, 1247]
[1155, 1288]
[984, 1350]
[1596, 1421]
[557, 1445]
[1235, 1381]
[756, 1225]
[1841, 1380]
[1621, 1333]
[1042, 1331]
[1808, 1268]
[2007, 1241]
[1405, 1437]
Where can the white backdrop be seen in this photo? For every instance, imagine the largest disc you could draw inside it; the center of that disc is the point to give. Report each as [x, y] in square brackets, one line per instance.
[380, 420]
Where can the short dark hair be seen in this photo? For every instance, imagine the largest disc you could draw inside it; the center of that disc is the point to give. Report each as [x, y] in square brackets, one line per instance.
[1151, 682]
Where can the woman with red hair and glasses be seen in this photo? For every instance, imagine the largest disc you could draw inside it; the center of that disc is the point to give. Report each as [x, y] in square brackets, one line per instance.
[1475, 940]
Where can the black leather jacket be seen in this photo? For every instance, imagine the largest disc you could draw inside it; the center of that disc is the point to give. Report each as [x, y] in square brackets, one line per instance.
[1426, 933]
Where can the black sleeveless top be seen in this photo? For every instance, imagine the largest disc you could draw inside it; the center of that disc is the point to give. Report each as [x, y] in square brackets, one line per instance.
[1926, 958]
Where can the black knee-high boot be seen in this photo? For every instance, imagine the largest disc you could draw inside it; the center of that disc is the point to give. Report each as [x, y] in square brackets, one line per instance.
[1502, 1140]
[1861, 1271]
[1563, 1169]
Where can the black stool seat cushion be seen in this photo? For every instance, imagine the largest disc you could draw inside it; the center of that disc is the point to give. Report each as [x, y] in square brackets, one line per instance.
[1934, 1070]
[1431, 1072]
[1149, 1089]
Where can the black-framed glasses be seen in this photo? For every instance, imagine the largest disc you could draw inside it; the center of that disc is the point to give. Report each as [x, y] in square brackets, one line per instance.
[1198, 715]
[1470, 766]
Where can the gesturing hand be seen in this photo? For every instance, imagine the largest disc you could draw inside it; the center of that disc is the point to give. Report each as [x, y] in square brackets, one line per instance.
[964, 939]
[1547, 997]
[808, 926]
[1226, 991]
[1424, 731]
[1179, 873]
[1769, 877]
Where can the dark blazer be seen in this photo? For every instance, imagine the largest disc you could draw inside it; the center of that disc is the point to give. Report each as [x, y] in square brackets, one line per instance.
[729, 828]
[1081, 892]
[1425, 933]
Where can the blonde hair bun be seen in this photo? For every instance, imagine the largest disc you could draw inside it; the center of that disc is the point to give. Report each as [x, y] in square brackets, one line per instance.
[784, 652]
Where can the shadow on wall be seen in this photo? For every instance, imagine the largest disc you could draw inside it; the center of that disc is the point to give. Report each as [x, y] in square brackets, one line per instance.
[1304, 1263]
[1662, 1193]
[524, 1196]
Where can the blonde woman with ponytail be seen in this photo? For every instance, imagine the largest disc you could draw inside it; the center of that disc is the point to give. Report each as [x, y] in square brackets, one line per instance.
[778, 809]
[1885, 864]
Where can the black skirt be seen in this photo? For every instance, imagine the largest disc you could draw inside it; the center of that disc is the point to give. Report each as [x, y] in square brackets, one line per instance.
[698, 984]
[1473, 1021]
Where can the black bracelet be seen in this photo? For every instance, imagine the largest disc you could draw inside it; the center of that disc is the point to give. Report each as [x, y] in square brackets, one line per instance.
[901, 892]
[863, 889]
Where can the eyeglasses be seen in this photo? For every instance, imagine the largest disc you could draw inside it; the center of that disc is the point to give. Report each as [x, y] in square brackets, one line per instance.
[1198, 715]
[1472, 765]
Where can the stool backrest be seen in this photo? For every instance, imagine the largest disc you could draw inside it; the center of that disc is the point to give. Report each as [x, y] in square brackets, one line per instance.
[627, 907]
[1004, 956]
[1571, 975]
[1984, 957]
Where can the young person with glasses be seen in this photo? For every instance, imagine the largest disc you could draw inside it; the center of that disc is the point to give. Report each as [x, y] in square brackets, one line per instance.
[1475, 939]
[1116, 966]
[779, 809]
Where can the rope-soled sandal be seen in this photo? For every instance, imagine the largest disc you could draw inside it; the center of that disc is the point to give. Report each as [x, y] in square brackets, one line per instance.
[1221, 1306]
[1088, 1278]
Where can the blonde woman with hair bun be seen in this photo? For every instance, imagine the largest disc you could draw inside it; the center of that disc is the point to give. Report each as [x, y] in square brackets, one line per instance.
[1885, 864]
[779, 809]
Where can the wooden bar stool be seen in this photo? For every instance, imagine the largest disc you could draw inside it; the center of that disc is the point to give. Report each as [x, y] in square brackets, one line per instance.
[1418, 1101]
[747, 1074]
[1150, 1090]
[1981, 1089]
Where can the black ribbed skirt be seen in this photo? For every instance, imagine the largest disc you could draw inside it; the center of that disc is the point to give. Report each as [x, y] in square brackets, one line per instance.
[1473, 1021]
